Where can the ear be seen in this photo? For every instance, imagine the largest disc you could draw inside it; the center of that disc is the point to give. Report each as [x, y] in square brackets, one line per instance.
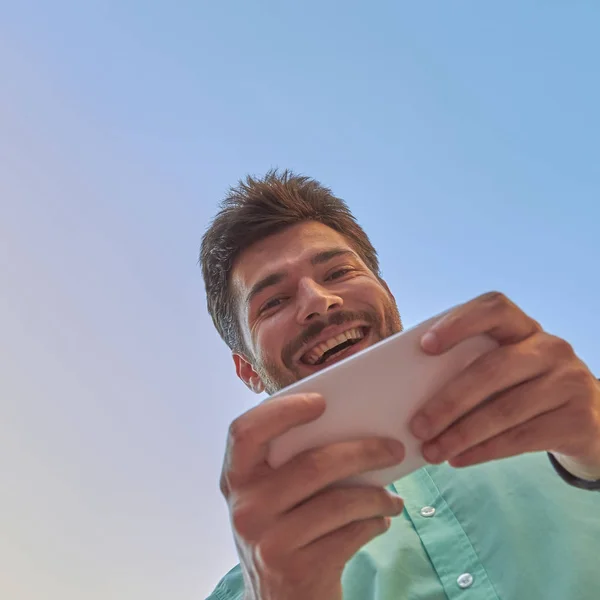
[245, 371]
[387, 288]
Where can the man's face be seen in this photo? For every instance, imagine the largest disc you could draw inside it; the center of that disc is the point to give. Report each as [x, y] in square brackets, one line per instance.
[306, 300]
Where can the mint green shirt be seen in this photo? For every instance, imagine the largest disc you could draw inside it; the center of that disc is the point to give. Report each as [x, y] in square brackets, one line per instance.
[509, 530]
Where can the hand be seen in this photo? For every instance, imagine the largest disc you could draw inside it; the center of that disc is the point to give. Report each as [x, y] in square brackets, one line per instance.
[531, 394]
[294, 533]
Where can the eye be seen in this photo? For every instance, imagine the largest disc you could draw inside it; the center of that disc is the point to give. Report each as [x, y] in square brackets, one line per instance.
[274, 302]
[339, 273]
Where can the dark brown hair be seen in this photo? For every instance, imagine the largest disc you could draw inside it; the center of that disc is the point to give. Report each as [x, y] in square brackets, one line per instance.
[255, 209]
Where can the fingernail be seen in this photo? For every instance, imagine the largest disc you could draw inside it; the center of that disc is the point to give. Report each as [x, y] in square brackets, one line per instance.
[398, 503]
[432, 453]
[430, 342]
[420, 427]
[313, 397]
[395, 448]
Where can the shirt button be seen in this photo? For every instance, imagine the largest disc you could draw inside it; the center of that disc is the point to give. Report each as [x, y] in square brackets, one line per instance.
[465, 580]
[427, 511]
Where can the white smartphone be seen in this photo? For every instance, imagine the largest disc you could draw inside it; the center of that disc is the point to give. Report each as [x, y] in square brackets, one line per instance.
[376, 392]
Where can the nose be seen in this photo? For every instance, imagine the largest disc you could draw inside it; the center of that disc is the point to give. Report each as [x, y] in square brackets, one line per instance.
[315, 300]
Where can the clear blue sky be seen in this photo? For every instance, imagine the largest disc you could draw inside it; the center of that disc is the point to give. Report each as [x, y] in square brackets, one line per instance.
[464, 136]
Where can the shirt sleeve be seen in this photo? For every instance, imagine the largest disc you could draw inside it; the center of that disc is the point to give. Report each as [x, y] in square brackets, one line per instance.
[231, 587]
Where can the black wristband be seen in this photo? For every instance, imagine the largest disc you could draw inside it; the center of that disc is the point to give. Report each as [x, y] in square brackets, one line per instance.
[577, 482]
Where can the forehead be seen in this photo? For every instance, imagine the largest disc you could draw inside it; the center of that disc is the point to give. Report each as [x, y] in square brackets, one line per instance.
[281, 250]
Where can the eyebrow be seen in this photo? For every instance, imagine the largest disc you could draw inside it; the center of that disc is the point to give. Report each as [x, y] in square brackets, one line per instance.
[275, 278]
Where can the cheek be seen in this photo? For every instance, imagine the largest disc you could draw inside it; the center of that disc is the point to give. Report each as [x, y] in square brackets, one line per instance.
[270, 341]
[371, 292]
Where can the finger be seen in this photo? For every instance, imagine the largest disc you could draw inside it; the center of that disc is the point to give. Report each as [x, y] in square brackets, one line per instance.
[332, 510]
[251, 433]
[314, 470]
[491, 313]
[341, 545]
[536, 435]
[501, 413]
[489, 375]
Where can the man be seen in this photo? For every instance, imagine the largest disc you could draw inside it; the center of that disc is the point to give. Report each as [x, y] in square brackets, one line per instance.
[288, 271]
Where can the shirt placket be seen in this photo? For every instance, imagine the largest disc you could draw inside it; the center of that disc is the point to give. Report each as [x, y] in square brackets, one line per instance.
[448, 547]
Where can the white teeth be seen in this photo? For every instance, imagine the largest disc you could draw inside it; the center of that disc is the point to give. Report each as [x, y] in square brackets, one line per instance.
[317, 352]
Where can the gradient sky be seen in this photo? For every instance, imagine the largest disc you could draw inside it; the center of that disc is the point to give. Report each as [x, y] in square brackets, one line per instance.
[464, 136]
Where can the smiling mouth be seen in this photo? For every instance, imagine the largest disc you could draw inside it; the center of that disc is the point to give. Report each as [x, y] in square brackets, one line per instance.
[329, 349]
